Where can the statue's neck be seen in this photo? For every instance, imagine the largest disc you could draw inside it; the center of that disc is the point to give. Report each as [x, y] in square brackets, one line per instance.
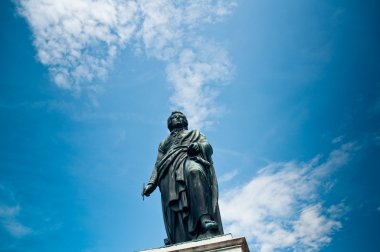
[177, 130]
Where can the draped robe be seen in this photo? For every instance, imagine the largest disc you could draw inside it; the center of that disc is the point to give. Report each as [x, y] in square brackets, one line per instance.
[187, 184]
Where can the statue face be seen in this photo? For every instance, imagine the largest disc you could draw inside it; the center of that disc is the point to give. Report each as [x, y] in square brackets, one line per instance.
[177, 120]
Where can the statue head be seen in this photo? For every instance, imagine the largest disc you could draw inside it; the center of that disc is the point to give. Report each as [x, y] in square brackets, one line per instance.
[177, 120]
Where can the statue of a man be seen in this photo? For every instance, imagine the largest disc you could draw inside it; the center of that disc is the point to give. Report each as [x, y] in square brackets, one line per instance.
[185, 174]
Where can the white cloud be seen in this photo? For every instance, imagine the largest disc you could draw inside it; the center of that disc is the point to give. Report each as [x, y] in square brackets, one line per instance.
[337, 140]
[15, 228]
[8, 214]
[194, 65]
[281, 207]
[191, 75]
[228, 176]
[78, 40]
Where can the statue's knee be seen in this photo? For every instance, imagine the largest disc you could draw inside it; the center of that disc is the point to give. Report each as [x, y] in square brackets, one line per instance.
[195, 172]
[194, 169]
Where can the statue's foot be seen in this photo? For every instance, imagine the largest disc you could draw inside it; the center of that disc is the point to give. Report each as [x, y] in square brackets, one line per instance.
[209, 228]
[209, 225]
[167, 242]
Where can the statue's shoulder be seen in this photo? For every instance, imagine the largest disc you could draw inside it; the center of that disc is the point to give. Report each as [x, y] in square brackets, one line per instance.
[195, 131]
[161, 146]
[163, 142]
[197, 134]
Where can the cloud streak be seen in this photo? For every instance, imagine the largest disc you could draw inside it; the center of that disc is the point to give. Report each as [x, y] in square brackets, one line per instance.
[8, 214]
[78, 41]
[280, 208]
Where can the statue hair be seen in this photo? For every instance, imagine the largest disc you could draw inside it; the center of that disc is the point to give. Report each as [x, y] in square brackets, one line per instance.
[170, 126]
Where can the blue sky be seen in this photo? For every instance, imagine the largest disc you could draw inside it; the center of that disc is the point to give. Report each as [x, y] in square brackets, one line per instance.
[287, 92]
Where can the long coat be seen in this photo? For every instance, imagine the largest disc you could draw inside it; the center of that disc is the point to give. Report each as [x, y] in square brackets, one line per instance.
[187, 184]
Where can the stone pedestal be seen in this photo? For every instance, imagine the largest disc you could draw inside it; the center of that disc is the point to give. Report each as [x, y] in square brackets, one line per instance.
[224, 243]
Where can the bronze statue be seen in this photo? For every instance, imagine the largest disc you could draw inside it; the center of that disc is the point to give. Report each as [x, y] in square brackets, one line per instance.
[185, 174]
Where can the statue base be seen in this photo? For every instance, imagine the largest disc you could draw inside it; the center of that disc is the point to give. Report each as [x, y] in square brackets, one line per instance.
[223, 243]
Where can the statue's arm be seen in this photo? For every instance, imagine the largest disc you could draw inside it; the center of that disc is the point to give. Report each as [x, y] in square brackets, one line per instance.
[153, 181]
[201, 150]
[205, 147]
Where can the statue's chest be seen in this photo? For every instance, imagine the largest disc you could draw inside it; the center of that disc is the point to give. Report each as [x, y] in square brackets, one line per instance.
[174, 140]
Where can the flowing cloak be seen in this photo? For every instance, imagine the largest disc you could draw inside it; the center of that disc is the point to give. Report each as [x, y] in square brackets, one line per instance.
[186, 198]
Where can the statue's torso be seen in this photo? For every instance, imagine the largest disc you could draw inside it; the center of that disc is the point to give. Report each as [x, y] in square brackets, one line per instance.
[173, 140]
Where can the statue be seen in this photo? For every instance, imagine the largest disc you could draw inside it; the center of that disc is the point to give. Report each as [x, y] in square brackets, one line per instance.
[185, 175]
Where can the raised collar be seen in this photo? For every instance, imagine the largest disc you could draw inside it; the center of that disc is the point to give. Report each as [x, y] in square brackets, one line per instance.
[176, 132]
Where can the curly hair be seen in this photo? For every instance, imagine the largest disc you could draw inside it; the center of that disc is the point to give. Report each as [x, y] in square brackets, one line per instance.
[170, 126]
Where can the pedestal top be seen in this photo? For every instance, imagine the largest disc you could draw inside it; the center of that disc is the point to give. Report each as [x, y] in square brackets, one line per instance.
[223, 243]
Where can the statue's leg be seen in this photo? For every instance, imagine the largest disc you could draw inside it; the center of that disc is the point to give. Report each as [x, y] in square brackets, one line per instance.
[199, 195]
[175, 226]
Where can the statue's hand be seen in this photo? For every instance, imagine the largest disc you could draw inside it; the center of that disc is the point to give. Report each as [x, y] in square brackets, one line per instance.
[148, 190]
[193, 149]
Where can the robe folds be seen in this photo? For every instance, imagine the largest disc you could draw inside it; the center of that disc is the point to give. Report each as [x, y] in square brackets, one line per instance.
[187, 184]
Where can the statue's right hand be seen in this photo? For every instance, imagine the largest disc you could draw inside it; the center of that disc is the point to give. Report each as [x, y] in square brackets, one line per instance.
[193, 149]
[148, 190]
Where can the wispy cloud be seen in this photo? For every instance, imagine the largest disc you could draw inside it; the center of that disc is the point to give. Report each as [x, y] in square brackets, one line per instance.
[337, 140]
[228, 176]
[8, 214]
[78, 40]
[15, 228]
[281, 207]
[189, 74]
